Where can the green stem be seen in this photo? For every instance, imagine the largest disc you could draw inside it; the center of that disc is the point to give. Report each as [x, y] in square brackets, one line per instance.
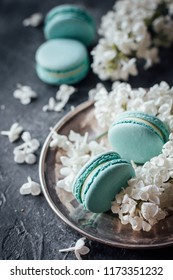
[101, 135]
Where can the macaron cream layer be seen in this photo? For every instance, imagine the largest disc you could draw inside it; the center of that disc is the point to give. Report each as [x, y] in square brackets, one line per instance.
[60, 77]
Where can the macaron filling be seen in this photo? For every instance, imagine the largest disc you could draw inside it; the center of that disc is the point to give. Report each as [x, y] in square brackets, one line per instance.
[66, 73]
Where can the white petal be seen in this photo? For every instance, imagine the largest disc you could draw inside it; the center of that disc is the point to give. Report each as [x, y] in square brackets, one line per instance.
[149, 210]
[84, 250]
[34, 144]
[80, 243]
[26, 136]
[146, 226]
[35, 188]
[25, 101]
[30, 158]
[19, 157]
[136, 223]
[25, 189]
[77, 255]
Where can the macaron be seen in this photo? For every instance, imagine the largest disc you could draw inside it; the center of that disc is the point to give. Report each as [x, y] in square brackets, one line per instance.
[62, 61]
[70, 21]
[100, 179]
[138, 136]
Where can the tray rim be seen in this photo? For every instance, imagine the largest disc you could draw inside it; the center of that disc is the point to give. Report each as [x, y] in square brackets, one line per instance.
[54, 207]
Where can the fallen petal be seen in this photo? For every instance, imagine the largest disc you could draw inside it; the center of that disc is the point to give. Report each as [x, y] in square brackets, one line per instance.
[30, 158]
[84, 250]
[25, 189]
[35, 188]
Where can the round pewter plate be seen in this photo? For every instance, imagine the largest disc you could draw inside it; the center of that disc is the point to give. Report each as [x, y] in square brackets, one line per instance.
[105, 228]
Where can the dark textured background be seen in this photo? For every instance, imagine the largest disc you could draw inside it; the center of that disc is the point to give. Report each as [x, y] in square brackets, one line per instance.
[29, 229]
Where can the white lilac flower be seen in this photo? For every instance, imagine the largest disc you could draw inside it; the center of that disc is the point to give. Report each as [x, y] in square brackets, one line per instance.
[143, 205]
[62, 96]
[22, 156]
[24, 94]
[78, 150]
[51, 105]
[30, 187]
[34, 20]
[96, 148]
[58, 140]
[157, 101]
[129, 35]
[92, 92]
[149, 196]
[128, 68]
[14, 132]
[79, 248]
[64, 93]
[149, 210]
[25, 151]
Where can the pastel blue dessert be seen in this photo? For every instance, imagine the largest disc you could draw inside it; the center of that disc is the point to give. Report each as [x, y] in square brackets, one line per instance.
[138, 136]
[62, 61]
[100, 180]
[70, 21]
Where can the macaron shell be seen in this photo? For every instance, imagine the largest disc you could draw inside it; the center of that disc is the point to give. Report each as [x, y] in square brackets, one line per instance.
[69, 21]
[61, 61]
[152, 120]
[135, 141]
[65, 27]
[61, 54]
[69, 9]
[105, 185]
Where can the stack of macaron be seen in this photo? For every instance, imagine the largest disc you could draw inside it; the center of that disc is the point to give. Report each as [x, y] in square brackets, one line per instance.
[63, 58]
[134, 136]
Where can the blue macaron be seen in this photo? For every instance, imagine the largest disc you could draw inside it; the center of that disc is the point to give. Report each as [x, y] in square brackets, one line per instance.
[138, 136]
[100, 179]
[62, 61]
[70, 21]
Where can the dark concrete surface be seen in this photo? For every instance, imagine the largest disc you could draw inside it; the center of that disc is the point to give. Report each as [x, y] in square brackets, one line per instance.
[29, 229]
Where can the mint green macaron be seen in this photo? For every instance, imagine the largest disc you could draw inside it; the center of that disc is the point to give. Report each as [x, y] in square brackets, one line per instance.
[138, 136]
[70, 21]
[100, 179]
[62, 61]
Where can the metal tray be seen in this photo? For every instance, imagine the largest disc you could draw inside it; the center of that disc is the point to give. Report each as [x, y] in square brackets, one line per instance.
[105, 228]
